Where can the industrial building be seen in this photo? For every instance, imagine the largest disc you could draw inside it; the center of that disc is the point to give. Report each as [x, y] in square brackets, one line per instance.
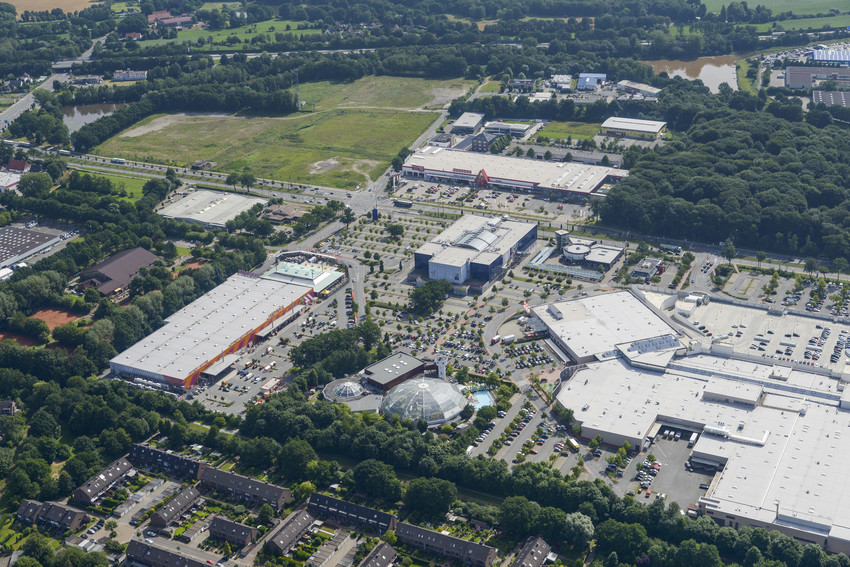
[116, 272]
[8, 180]
[202, 337]
[632, 87]
[468, 123]
[633, 128]
[17, 244]
[806, 77]
[547, 178]
[392, 371]
[129, 75]
[771, 426]
[209, 208]
[318, 276]
[587, 252]
[475, 249]
[831, 98]
[841, 56]
[563, 83]
[513, 129]
[590, 81]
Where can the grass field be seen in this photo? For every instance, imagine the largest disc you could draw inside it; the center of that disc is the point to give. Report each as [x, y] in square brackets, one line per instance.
[383, 92]
[243, 33]
[808, 23]
[779, 6]
[561, 130]
[39, 5]
[338, 148]
[491, 87]
[744, 84]
[131, 185]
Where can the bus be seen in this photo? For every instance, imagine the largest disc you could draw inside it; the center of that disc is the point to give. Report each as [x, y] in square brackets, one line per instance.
[573, 444]
[670, 248]
[402, 203]
[119, 160]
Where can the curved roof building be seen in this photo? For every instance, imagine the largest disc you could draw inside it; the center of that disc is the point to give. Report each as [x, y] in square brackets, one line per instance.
[435, 401]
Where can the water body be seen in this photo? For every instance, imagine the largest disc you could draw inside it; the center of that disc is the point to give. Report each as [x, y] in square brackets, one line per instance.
[712, 71]
[75, 117]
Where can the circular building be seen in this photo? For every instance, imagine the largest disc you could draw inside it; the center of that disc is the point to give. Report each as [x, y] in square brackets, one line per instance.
[576, 252]
[435, 401]
[348, 389]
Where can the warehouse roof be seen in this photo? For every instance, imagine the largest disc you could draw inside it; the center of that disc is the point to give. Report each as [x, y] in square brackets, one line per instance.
[119, 269]
[565, 176]
[634, 124]
[386, 370]
[831, 98]
[624, 84]
[16, 242]
[595, 324]
[831, 55]
[210, 208]
[468, 120]
[204, 329]
[310, 275]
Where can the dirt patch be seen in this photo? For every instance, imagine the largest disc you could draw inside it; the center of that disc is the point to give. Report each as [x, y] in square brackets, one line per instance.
[442, 96]
[54, 317]
[162, 122]
[363, 167]
[193, 265]
[324, 165]
[20, 339]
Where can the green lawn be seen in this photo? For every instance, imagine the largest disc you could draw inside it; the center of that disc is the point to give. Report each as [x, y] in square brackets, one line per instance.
[132, 185]
[383, 92]
[779, 6]
[244, 33]
[338, 148]
[491, 87]
[807, 23]
[561, 130]
[744, 84]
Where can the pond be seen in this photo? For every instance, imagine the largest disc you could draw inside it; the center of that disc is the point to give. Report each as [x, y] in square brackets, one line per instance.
[75, 117]
[712, 71]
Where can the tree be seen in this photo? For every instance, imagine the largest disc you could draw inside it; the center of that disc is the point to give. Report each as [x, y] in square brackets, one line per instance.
[36, 185]
[628, 540]
[430, 497]
[225, 549]
[265, 514]
[294, 457]
[811, 265]
[390, 537]
[517, 515]
[232, 179]
[729, 252]
[530, 153]
[247, 180]
[840, 265]
[347, 216]
[761, 255]
[43, 424]
[377, 479]
[595, 442]
[395, 230]
[578, 530]
[427, 298]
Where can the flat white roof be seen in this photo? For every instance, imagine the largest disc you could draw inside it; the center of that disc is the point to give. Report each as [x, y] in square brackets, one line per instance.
[634, 124]
[595, 324]
[9, 179]
[211, 208]
[603, 254]
[564, 176]
[469, 120]
[208, 326]
[638, 86]
[307, 274]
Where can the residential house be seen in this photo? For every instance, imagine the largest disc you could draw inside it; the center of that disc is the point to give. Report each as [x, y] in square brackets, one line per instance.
[232, 532]
[8, 407]
[172, 510]
[286, 212]
[244, 488]
[340, 543]
[51, 515]
[533, 553]
[467, 552]
[382, 555]
[171, 463]
[345, 513]
[133, 36]
[183, 20]
[18, 166]
[91, 491]
[482, 142]
[290, 531]
[142, 554]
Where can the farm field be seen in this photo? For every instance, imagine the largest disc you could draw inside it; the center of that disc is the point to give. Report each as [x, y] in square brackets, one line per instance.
[39, 5]
[244, 33]
[779, 6]
[808, 23]
[383, 92]
[562, 130]
[337, 148]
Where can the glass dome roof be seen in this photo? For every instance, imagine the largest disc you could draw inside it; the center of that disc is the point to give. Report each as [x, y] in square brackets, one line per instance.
[435, 401]
[348, 390]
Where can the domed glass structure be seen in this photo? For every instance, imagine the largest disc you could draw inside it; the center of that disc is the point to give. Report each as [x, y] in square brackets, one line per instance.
[348, 390]
[435, 401]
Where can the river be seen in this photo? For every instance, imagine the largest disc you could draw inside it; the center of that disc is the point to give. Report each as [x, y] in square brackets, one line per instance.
[75, 117]
[712, 71]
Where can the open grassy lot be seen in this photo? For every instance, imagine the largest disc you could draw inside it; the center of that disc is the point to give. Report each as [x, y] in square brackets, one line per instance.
[338, 148]
[808, 23]
[779, 6]
[562, 130]
[131, 185]
[244, 33]
[383, 92]
[39, 5]
[491, 87]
